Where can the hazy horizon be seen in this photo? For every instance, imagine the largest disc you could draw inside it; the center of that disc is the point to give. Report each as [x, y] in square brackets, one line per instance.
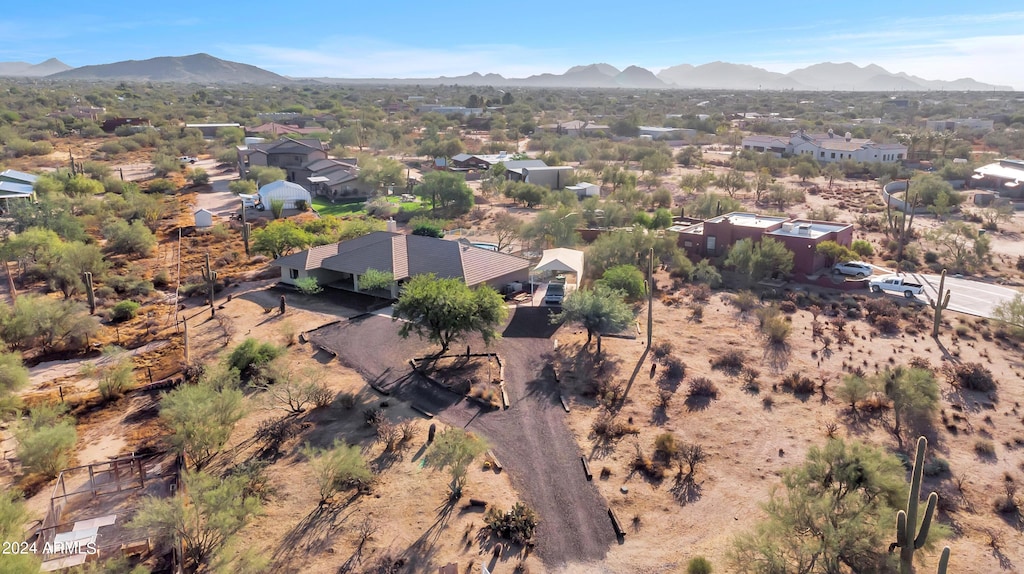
[937, 41]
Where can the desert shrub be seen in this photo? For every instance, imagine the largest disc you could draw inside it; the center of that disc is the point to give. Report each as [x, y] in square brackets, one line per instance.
[130, 285]
[763, 314]
[700, 292]
[666, 447]
[697, 312]
[674, 371]
[161, 186]
[428, 230]
[937, 467]
[607, 428]
[862, 247]
[702, 387]
[887, 325]
[130, 238]
[661, 349]
[731, 361]
[971, 376]
[745, 301]
[798, 383]
[985, 448]
[518, 524]
[347, 400]
[776, 330]
[881, 307]
[45, 440]
[787, 307]
[337, 468]
[124, 311]
[699, 565]
[308, 286]
[250, 355]
[272, 433]
[626, 278]
[161, 279]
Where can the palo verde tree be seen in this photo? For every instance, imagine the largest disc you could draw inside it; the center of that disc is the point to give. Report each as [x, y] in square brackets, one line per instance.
[216, 508]
[833, 514]
[442, 310]
[455, 449]
[202, 416]
[913, 392]
[598, 310]
[446, 190]
[13, 517]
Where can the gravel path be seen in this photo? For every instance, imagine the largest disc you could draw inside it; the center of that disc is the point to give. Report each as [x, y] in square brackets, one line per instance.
[530, 439]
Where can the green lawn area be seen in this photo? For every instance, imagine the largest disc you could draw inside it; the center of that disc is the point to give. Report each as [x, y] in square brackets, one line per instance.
[324, 207]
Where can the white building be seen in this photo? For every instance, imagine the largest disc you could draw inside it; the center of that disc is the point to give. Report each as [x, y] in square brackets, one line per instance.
[584, 190]
[290, 193]
[827, 147]
[958, 124]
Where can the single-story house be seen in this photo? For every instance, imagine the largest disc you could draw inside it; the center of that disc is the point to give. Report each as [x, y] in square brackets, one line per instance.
[290, 193]
[209, 131]
[661, 133]
[1005, 176]
[714, 237]
[15, 176]
[341, 265]
[552, 177]
[584, 190]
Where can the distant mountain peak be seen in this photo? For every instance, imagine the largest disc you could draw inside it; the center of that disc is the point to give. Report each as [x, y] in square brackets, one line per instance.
[195, 68]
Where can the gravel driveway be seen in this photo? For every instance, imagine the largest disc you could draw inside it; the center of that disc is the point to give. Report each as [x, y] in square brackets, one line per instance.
[530, 439]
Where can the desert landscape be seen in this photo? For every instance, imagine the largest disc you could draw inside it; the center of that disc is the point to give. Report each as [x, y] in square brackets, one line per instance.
[232, 395]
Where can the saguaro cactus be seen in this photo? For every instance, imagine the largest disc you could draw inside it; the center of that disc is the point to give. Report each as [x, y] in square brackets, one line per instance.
[246, 232]
[944, 561]
[90, 293]
[210, 276]
[908, 537]
[941, 302]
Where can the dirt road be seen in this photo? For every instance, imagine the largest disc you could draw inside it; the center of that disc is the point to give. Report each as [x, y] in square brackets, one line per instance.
[530, 439]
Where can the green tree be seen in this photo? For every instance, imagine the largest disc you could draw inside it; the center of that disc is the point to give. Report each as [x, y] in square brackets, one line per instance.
[834, 514]
[598, 310]
[251, 355]
[732, 181]
[709, 204]
[662, 219]
[45, 440]
[242, 186]
[209, 511]
[762, 260]
[337, 468]
[930, 187]
[781, 196]
[853, 390]
[83, 186]
[661, 198]
[63, 268]
[689, 155]
[375, 279]
[528, 194]
[966, 250]
[914, 395]
[625, 278]
[447, 190]
[1011, 313]
[113, 373]
[554, 228]
[47, 323]
[806, 170]
[862, 247]
[280, 237]
[428, 229]
[444, 309]
[507, 229]
[706, 273]
[129, 238]
[13, 374]
[201, 418]
[834, 252]
[656, 163]
[455, 449]
[13, 517]
[263, 175]
[198, 176]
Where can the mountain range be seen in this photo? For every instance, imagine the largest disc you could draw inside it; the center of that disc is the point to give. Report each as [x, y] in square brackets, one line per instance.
[204, 68]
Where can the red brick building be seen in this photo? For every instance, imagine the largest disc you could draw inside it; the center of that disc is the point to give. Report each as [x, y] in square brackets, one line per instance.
[714, 237]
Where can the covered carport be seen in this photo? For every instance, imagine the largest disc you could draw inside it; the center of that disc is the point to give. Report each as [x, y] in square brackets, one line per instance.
[561, 261]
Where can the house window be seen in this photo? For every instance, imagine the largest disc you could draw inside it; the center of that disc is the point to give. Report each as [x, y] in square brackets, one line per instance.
[711, 244]
[833, 155]
[822, 154]
[687, 244]
[293, 273]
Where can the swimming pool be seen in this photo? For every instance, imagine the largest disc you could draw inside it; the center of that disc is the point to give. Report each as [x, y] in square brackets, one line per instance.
[487, 246]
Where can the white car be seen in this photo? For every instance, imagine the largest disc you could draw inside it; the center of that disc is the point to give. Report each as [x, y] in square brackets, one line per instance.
[853, 268]
[187, 159]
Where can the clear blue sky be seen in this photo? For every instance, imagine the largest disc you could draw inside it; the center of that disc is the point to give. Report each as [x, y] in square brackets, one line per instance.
[936, 40]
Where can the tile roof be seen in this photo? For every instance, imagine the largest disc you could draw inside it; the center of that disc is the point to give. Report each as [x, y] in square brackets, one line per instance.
[408, 255]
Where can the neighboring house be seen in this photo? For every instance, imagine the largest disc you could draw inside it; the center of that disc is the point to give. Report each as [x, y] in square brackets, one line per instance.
[15, 176]
[465, 161]
[209, 131]
[1004, 175]
[714, 237]
[660, 133]
[827, 147]
[80, 112]
[448, 110]
[305, 162]
[274, 129]
[16, 185]
[552, 177]
[137, 124]
[965, 124]
[575, 128]
[584, 190]
[341, 265]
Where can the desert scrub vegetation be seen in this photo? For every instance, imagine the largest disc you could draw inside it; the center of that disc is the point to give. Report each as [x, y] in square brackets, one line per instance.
[337, 468]
[731, 361]
[45, 439]
[455, 449]
[251, 355]
[202, 416]
[970, 376]
[518, 524]
[702, 387]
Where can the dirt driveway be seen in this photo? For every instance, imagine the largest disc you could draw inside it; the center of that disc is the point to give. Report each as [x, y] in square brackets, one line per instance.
[531, 439]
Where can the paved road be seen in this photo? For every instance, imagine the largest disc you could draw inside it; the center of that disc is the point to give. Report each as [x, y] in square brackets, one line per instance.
[966, 296]
[530, 439]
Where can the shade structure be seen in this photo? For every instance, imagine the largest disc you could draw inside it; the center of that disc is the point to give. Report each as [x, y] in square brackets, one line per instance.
[561, 260]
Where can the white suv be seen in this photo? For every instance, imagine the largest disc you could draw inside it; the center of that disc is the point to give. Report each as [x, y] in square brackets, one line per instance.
[853, 268]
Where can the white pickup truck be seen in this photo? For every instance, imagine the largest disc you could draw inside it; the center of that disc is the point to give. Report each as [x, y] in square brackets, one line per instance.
[896, 283]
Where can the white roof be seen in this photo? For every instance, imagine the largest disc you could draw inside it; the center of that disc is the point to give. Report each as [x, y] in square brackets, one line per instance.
[198, 211]
[1001, 171]
[562, 260]
[287, 187]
